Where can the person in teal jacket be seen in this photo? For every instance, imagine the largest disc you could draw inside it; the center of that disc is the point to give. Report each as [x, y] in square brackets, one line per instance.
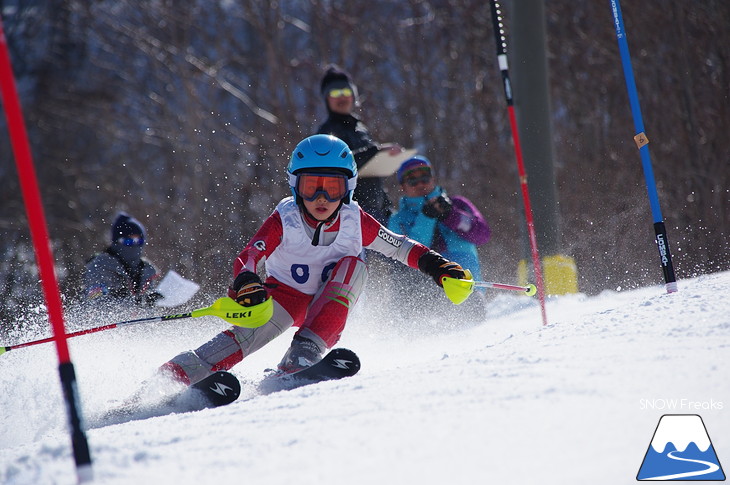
[452, 225]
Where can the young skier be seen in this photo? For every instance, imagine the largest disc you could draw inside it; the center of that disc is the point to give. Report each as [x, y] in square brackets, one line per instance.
[310, 244]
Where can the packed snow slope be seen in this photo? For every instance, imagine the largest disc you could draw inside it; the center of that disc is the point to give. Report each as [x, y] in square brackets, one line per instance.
[504, 401]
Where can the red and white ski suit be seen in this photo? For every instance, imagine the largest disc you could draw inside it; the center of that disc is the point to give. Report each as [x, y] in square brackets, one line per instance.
[313, 287]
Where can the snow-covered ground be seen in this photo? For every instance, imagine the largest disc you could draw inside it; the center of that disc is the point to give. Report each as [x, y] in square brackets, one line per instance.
[507, 401]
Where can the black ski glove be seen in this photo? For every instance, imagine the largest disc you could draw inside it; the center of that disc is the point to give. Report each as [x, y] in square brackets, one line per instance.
[438, 207]
[436, 266]
[249, 289]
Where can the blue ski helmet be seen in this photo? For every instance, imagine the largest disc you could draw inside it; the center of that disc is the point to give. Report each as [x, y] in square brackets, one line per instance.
[322, 153]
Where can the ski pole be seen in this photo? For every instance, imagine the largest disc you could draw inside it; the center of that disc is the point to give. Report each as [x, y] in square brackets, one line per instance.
[529, 290]
[224, 308]
[458, 290]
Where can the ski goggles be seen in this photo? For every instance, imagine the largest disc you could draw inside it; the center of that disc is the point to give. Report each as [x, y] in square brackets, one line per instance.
[310, 185]
[131, 241]
[413, 181]
[338, 93]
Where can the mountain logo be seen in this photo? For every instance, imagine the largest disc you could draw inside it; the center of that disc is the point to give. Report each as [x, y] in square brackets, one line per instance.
[680, 450]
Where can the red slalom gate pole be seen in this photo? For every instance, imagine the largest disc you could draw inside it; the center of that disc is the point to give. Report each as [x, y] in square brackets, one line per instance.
[501, 42]
[44, 258]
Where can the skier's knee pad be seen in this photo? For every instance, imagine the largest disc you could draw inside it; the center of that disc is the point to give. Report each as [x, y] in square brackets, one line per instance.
[349, 276]
[331, 305]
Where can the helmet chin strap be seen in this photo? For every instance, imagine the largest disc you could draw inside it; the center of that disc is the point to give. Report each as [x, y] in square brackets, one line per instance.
[320, 224]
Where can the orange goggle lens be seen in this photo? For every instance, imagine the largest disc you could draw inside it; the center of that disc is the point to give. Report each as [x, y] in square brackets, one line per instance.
[333, 187]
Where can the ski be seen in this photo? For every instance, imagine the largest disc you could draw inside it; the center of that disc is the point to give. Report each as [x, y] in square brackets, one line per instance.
[222, 388]
[337, 364]
[217, 389]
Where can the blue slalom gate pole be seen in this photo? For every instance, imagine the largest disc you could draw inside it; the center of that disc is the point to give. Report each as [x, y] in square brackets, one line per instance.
[642, 143]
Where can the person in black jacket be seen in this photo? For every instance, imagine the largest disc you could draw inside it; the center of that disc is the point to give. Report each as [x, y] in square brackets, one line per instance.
[340, 96]
[120, 274]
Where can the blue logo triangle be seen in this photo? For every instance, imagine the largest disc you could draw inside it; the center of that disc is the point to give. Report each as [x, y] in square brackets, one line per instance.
[681, 450]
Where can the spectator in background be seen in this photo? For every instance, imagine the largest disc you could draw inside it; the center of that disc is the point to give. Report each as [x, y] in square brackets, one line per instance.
[340, 96]
[452, 226]
[120, 273]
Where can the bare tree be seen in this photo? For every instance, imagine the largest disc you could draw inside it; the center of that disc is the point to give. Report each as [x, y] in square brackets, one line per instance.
[184, 114]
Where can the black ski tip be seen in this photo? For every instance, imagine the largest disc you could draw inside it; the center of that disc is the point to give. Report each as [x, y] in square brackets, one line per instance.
[337, 364]
[219, 388]
[344, 360]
